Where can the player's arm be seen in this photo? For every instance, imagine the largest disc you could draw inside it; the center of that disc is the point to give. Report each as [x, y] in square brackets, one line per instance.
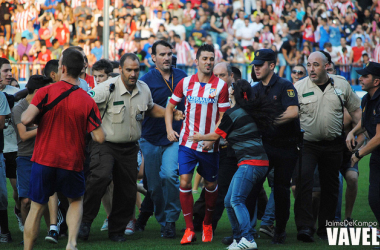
[208, 144]
[356, 116]
[29, 115]
[289, 114]
[98, 135]
[207, 137]
[24, 134]
[172, 135]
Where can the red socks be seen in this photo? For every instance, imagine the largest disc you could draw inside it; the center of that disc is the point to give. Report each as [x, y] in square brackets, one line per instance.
[187, 203]
[210, 197]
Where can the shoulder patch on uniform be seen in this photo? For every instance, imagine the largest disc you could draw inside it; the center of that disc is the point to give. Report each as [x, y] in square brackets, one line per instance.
[91, 93]
[291, 92]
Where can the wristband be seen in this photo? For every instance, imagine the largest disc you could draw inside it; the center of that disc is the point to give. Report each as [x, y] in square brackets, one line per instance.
[357, 155]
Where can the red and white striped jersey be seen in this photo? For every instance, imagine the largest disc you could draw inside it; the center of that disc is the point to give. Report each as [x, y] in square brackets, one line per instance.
[218, 55]
[86, 49]
[267, 37]
[190, 12]
[277, 9]
[22, 19]
[344, 60]
[146, 3]
[203, 103]
[343, 7]
[77, 3]
[112, 52]
[129, 47]
[376, 54]
[329, 4]
[23, 67]
[182, 52]
[219, 2]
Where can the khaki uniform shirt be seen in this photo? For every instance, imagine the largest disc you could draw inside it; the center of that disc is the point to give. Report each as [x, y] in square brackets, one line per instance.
[321, 112]
[125, 113]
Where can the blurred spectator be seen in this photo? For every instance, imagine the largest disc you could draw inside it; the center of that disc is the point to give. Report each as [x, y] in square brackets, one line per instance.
[30, 33]
[355, 60]
[24, 48]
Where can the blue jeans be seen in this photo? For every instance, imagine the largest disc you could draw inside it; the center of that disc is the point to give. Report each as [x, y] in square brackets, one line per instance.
[245, 178]
[3, 185]
[269, 215]
[161, 170]
[338, 215]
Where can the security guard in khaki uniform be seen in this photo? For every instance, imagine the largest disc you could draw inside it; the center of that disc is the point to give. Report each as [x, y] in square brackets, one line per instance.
[123, 102]
[322, 99]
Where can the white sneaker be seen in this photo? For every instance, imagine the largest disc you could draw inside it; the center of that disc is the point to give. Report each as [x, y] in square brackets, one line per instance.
[19, 220]
[130, 229]
[245, 244]
[105, 225]
[233, 244]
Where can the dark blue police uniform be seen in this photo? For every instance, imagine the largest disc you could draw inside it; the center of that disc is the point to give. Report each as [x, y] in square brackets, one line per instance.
[281, 143]
[370, 120]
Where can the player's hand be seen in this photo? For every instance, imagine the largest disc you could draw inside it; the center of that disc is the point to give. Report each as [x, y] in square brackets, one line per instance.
[208, 145]
[196, 137]
[172, 136]
[354, 160]
[350, 141]
[178, 115]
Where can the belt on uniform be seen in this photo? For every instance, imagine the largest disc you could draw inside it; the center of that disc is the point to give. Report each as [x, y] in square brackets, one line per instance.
[337, 141]
[123, 144]
[223, 146]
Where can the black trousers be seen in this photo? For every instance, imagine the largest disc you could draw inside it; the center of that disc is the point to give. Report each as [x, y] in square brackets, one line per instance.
[117, 162]
[328, 156]
[227, 168]
[374, 183]
[284, 161]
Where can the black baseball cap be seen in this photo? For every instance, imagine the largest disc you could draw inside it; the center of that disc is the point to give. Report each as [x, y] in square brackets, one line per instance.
[263, 55]
[371, 68]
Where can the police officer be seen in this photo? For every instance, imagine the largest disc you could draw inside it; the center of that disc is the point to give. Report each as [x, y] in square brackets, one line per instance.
[280, 144]
[370, 123]
[322, 100]
[123, 103]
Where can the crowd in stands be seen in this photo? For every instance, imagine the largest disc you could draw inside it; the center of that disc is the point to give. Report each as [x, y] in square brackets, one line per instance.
[37, 31]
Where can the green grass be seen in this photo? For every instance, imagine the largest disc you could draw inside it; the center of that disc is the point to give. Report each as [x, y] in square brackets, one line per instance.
[150, 238]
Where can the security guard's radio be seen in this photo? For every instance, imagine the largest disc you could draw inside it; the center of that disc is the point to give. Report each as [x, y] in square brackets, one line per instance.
[111, 89]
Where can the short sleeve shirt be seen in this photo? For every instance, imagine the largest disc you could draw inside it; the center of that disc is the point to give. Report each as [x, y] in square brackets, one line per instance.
[154, 129]
[371, 113]
[4, 110]
[282, 91]
[241, 132]
[60, 140]
[203, 103]
[321, 112]
[25, 148]
[125, 111]
[10, 137]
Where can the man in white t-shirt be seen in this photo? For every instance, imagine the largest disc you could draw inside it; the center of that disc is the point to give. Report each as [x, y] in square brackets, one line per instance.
[177, 28]
[256, 26]
[239, 23]
[246, 34]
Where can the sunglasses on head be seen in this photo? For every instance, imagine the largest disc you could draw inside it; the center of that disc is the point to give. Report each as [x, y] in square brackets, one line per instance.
[297, 72]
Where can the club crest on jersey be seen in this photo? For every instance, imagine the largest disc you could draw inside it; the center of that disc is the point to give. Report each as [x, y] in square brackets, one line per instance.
[290, 92]
[212, 93]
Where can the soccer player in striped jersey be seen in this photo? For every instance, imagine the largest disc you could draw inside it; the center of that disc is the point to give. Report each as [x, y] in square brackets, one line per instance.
[206, 100]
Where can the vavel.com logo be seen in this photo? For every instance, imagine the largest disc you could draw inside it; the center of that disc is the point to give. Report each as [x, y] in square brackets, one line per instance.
[353, 233]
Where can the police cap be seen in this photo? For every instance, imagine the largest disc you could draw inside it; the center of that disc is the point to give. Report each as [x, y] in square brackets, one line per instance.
[371, 68]
[264, 55]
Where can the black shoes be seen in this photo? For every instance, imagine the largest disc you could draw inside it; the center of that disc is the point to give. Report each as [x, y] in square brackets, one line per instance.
[268, 230]
[169, 231]
[279, 237]
[141, 221]
[117, 238]
[84, 230]
[305, 234]
[52, 237]
[228, 240]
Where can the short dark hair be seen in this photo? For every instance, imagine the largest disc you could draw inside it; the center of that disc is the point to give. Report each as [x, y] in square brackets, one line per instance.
[73, 60]
[54, 41]
[160, 42]
[177, 36]
[327, 45]
[37, 82]
[3, 61]
[103, 64]
[131, 56]
[113, 74]
[237, 73]
[205, 47]
[359, 38]
[301, 65]
[51, 66]
[78, 48]
[115, 64]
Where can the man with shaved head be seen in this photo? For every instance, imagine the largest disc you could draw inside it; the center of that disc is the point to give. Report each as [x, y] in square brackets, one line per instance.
[322, 98]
